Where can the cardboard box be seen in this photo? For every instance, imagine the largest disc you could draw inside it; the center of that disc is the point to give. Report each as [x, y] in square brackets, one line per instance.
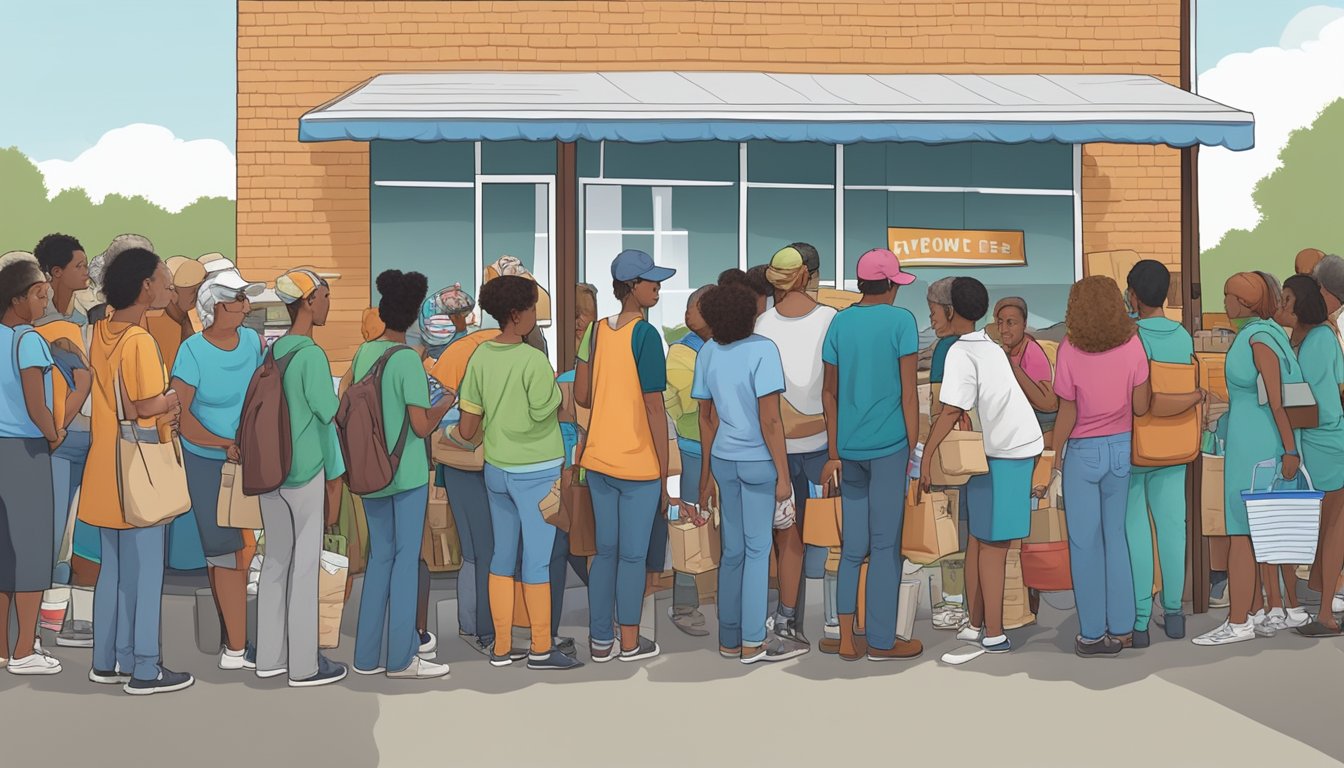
[906, 608]
[707, 585]
[1212, 373]
[1218, 340]
[437, 514]
[695, 550]
[1016, 612]
[833, 297]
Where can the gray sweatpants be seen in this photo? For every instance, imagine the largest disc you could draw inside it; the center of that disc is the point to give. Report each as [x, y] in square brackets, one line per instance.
[287, 592]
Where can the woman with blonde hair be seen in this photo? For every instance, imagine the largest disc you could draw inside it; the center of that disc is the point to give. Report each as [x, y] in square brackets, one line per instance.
[1100, 369]
[1255, 433]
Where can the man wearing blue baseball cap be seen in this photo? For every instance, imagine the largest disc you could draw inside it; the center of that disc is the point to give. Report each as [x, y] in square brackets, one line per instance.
[621, 375]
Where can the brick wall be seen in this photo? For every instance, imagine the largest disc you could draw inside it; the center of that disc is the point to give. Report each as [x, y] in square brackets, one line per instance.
[308, 203]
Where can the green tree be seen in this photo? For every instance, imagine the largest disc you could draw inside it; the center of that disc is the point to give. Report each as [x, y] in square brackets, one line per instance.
[205, 226]
[1299, 207]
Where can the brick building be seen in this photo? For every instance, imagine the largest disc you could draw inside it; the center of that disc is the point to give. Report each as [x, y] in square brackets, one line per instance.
[374, 134]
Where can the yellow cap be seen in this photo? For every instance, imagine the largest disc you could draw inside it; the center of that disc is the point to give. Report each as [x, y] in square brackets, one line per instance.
[787, 258]
[296, 284]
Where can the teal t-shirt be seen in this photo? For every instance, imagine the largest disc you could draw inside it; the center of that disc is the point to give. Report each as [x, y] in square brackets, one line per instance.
[866, 343]
[940, 358]
[1166, 341]
[311, 399]
[405, 384]
[220, 378]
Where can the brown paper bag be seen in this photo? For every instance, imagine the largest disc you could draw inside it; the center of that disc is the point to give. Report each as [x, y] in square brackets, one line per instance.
[1016, 611]
[959, 456]
[235, 508]
[930, 529]
[822, 522]
[331, 582]
[694, 549]
[1211, 496]
[579, 503]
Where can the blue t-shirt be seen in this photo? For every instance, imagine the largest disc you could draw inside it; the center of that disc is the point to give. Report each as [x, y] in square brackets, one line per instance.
[735, 376]
[31, 351]
[220, 378]
[866, 343]
[940, 358]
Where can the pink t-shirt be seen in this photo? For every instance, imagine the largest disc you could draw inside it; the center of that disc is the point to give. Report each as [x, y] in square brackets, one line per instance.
[1033, 361]
[1102, 385]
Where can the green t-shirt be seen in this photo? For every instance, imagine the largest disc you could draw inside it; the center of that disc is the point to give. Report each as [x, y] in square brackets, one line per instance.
[512, 387]
[404, 384]
[312, 406]
[1166, 341]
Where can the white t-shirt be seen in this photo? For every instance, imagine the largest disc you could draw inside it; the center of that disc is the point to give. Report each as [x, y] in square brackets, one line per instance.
[799, 340]
[977, 375]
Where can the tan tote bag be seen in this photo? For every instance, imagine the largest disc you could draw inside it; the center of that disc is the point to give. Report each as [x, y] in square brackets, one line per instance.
[151, 478]
[235, 508]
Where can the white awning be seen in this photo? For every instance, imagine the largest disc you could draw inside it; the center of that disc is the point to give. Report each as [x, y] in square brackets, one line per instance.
[745, 106]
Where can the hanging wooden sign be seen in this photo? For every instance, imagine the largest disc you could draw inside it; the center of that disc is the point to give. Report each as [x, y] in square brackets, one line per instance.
[957, 247]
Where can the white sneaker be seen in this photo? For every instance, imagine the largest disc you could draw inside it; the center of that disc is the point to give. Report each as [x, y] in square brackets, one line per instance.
[420, 669]
[1296, 617]
[1337, 604]
[36, 664]
[969, 634]
[831, 631]
[233, 661]
[1227, 633]
[1267, 624]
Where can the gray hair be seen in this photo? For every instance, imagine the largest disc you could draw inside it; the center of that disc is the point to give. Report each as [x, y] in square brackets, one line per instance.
[120, 244]
[697, 295]
[1330, 274]
[940, 292]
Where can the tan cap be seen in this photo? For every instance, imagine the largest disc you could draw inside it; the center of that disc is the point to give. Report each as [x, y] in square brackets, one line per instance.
[187, 273]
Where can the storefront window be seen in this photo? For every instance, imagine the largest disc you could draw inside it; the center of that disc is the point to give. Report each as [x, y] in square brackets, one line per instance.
[423, 229]
[682, 160]
[778, 217]
[790, 162]
[518, 157]
[438, 161]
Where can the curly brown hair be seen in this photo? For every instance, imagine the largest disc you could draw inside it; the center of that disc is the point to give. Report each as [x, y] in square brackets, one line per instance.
[1096, 318]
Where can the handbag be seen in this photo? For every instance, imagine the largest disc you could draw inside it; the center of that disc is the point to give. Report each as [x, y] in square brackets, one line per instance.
[151, 478]
[1298, 402]
[578, 501]
[235, 508]
[822, 522]
[1168, 441]
[1285, 524]
[929, 531]
[959, 456]
[1045, 552]
[552, 511]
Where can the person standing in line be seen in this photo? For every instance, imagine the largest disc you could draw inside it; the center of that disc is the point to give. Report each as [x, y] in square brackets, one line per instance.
[744, 467]
[1157, 494]
[469, 501]
[64, 327]
[1031, 368]
[626, 455]
[868, 425]
[1255, 433]
[211, 375]
[685, 412]
[28, 435]
[295, 514]
[797, 325]
[978, 374]
[126, 364]
[1303, 311]
[1098, 377]
[509, 396]
[396, 514]
[1328, 270]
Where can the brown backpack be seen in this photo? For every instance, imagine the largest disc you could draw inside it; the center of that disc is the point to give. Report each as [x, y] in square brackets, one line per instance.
[369, 467]
[264, 444]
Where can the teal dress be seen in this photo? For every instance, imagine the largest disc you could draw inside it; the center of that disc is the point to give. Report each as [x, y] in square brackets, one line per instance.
[1252, 436]
[1323, 446]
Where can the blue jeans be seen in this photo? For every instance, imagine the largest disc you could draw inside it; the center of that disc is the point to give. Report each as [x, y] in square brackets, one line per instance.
[1096, 496]
[685, 592]
[67, 472]
[872, 502]
[804, 469]
[623, 512]
[391, 580]
[747, 496]
[515, 507]
[471, 510]
[127, 601]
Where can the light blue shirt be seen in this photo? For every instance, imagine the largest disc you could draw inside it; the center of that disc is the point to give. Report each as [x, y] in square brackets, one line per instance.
[735, 377]
[866, 343]
[31, 351]
[221, 379]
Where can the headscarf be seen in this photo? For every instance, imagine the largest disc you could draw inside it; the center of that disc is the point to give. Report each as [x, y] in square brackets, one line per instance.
[436, 314]
[787, 270]
[1252, 289]
[371, 325]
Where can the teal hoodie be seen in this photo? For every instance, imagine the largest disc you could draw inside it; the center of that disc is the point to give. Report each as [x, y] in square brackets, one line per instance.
[1166, 341]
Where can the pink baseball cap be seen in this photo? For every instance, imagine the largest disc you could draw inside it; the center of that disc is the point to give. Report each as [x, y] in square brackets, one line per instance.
[879, 264]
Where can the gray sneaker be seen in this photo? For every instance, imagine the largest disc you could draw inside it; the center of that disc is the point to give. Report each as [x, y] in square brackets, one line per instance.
[775, 648]
[788, 631]
[76, 634]
[688, 620]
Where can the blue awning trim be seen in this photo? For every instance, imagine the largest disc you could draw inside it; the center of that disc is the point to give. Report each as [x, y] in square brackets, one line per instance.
[1234, 135]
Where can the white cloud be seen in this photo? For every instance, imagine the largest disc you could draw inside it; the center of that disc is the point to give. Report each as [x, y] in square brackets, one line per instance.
[1285, 88]
[147, 160]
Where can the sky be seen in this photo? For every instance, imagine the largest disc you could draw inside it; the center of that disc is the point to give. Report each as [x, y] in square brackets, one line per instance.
[138, 96]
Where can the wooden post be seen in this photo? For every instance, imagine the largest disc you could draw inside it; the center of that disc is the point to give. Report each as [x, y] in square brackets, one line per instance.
[1197, 547]
[567, 250]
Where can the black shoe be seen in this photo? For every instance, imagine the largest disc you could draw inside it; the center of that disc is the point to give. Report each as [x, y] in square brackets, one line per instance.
[1107, 646]
[566, 646]
[554, 660]
[646, 649]
[1174, 625]
[167, 682]
[1140, 639]
[507, 659]
[328, 672]
[108, 677]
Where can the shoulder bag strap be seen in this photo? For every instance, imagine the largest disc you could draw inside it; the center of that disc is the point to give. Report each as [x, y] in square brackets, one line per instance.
[377, 371]
[592, 369]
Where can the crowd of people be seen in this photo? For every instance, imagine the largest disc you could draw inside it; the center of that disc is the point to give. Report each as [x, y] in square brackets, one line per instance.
[769, 399]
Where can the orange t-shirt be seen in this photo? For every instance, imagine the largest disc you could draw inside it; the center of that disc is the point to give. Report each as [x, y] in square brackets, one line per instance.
[619, 443]
[128, 352]
[168, 334]
[452, 364]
